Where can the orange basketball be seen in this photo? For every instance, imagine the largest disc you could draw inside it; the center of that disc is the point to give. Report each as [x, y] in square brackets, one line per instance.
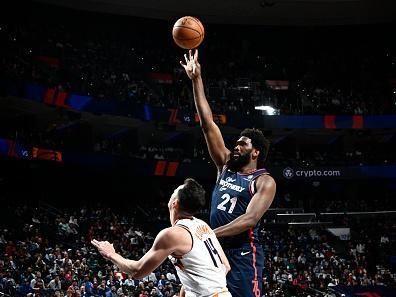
[188, 32]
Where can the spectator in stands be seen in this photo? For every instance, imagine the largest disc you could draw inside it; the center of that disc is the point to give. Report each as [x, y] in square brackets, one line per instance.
[55, 283]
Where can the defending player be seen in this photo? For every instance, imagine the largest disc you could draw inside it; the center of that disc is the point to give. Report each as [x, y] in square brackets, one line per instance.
[190, 244]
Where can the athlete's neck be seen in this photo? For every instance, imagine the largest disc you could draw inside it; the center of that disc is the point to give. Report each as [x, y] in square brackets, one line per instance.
[248, 168]
[182, 217]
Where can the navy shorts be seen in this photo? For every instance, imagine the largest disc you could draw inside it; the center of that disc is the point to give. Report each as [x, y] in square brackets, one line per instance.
[246, 276]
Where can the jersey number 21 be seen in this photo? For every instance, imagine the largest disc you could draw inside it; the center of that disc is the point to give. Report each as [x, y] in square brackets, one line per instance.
[227, 198]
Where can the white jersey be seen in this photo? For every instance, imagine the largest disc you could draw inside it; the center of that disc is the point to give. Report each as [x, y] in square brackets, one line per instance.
[201, 270]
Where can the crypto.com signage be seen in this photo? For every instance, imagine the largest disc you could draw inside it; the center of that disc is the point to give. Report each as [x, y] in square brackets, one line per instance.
[290, 173]
[320, 173]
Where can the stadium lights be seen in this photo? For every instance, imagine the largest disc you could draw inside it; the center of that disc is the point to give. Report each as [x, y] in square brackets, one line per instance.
[268, 110]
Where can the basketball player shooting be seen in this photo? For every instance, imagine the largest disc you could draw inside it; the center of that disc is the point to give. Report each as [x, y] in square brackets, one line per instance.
[190, 244]
[243, 192]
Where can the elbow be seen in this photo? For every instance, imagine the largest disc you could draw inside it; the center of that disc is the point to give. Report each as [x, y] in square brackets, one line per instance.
[139, 274]
[251, 222]
[205, 126]
[206, 122]
[250, 225]
[134, 272]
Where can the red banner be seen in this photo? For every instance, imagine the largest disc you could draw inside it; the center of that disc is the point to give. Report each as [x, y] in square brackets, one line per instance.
[46, 154]
[277, 84]
[47, 60]
[161, 77]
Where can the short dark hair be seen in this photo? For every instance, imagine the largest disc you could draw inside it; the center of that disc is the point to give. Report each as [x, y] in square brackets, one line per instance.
[259, 142]
[191, 196]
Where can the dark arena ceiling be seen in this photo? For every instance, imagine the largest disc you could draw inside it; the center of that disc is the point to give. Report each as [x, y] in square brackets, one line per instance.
[259, 12]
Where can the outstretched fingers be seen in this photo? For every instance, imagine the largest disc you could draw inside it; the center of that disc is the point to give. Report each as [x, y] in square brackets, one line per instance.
[187, 59]
[95, 243]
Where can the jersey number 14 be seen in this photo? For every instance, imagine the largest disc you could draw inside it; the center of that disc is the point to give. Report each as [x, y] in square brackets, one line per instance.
[212, 251]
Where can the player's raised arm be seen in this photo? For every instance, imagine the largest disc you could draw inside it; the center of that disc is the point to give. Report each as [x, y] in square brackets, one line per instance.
[217, 149]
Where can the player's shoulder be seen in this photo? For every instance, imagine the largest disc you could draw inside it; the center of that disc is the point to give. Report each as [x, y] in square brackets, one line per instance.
[171, 234]
[266, 180]
[173, 239]
[261, 171]
[171, 231]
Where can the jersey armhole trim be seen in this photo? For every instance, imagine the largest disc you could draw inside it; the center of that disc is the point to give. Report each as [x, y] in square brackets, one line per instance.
[220, 172]
[252, 185]
[192, 238]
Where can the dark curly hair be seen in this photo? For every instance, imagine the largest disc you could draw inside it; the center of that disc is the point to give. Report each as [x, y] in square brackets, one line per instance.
[191, 196]
[259, 142]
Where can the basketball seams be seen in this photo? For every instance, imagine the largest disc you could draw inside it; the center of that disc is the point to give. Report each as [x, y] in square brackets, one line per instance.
[199, 24]
[187, 27]
[185, 39]
[188, 32]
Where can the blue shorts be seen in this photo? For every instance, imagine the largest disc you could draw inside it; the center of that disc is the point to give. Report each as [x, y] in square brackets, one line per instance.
[246, 276]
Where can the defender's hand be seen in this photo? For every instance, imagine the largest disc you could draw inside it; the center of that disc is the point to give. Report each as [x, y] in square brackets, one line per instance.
[105, 248]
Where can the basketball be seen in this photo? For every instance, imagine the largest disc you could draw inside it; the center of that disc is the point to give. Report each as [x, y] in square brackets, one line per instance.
[188, 32]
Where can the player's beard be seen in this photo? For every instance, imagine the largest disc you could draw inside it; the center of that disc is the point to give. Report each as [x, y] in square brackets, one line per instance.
[237, 162]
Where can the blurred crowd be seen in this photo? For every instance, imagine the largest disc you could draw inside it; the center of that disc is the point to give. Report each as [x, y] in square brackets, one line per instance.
[114, 58]
[51, 254]
[310, 259]
[66, 132]
[135, 60]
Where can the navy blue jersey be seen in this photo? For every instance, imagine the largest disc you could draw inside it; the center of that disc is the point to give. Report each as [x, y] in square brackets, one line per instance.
[230, 199]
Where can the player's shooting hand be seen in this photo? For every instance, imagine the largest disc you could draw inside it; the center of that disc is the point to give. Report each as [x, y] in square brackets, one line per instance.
[105, 248]
[192, 66]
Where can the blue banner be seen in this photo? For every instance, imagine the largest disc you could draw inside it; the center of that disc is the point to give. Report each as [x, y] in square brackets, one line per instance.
[78, 102]
[174, 116]
[35, 92]
[365, 291]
